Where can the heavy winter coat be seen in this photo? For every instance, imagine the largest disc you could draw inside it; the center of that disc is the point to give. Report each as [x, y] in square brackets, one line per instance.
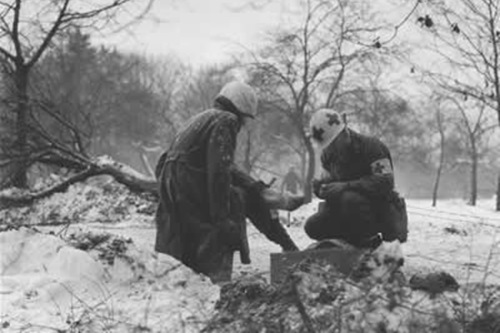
[205, 199]
[363, 162]
[194, 179]
[363, 167]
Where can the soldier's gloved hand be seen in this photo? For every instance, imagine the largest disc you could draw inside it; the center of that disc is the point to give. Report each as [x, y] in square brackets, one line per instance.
[230, 234]
[331, 189]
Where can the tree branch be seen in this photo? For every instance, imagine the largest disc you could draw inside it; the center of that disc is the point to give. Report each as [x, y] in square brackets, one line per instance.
[123, 174]
[48, 38]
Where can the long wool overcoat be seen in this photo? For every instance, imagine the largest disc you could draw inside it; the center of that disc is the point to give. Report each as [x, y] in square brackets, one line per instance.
[194, 188]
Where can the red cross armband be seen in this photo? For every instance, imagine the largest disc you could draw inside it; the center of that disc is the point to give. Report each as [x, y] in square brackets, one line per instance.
[381, 167]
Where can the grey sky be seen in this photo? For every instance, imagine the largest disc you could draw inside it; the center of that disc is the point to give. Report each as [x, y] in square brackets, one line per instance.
[208, 31]
[200, 31]
[203, 31]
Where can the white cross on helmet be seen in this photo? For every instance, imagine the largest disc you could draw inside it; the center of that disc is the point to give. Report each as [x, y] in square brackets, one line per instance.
[325, 126]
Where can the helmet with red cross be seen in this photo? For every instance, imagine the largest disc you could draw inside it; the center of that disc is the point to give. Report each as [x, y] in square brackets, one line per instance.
[325, 126]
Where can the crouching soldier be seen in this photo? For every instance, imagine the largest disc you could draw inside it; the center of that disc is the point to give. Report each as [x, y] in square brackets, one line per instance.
[360, 205]
[205, 200]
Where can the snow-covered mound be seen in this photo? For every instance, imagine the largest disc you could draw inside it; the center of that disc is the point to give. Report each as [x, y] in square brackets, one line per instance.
[104, 201]
[96, 282]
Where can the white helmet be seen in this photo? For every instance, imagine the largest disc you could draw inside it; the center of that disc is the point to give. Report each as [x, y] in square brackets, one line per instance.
[325, 126]
[242, 96]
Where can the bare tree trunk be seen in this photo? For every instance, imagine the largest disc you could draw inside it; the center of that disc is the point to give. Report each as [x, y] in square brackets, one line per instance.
[303, 167]
[498, 195]
[435, 189]
[20, 178]
[441, 159]
[473, 177]
[311, 166]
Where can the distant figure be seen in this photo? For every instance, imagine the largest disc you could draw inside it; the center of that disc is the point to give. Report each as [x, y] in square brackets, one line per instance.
[205, 200]
[357, 186]
[291, 182]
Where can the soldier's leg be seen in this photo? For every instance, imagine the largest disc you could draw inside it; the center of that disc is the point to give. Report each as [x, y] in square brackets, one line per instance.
[324, 224]
[210, 255]
[218, 265]
[358, 216]
[217, 260]
[238, 214]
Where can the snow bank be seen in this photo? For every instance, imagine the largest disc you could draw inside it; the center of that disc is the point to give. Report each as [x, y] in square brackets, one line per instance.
[96, 200]
[96, 282]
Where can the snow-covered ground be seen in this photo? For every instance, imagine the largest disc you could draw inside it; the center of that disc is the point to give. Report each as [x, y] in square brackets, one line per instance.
[70, 276]
[48, 286]
[455, 237]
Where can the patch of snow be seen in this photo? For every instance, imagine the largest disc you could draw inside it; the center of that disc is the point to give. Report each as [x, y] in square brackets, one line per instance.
[47, 285]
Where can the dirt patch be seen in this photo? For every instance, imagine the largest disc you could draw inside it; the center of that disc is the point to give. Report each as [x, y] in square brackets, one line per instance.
[107, 246]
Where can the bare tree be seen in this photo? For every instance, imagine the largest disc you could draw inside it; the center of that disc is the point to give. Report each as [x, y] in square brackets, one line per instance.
[444, 128]
[442, 139]
[474, 124]
[307, 66]
[27, 30]
[467, 36]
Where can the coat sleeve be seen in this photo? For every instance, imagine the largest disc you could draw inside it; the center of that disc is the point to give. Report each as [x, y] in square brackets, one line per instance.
[380, 180]
[220, 154]
[258, 211]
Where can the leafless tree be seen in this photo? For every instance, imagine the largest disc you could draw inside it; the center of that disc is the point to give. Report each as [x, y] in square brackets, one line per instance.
[308, 65]
[439, 171]
[27, 30]
[466, 35]
[474, 124]
[442, 129]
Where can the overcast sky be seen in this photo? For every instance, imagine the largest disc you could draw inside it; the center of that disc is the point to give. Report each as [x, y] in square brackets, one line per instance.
[204, 31]
[208, 31]
[201, 31]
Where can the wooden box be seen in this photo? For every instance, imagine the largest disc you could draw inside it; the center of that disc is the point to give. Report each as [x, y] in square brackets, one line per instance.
[343, 259]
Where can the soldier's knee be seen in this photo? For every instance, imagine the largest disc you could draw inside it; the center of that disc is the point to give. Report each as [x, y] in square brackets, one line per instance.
[314, 227]
[310, 229]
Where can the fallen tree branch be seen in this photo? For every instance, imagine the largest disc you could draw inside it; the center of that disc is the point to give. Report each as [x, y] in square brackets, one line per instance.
[127, 176]
[308, 323]
[122, 173]
[14, 199]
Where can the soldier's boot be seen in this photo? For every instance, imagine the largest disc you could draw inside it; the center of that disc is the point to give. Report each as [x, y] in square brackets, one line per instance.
[286, 201]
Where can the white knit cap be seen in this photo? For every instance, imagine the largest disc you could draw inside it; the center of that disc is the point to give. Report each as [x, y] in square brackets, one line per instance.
[242, 96]
[325, 126]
